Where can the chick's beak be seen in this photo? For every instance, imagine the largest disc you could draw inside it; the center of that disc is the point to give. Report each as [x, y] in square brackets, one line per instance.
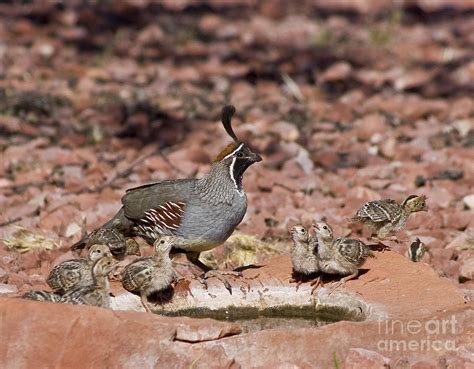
[256, 158]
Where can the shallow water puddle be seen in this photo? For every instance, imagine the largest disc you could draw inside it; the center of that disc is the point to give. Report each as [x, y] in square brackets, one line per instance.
[282, 317]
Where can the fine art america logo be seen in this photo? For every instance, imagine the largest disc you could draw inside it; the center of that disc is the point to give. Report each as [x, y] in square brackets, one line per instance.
[434, 335]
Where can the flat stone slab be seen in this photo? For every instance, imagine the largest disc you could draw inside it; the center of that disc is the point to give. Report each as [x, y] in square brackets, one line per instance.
[43, 335]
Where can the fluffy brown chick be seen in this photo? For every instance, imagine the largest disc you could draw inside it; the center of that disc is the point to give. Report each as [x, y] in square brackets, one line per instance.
[304, 256]
[386, 216]
[74, 273]
[97, 293]
[341, 256]
[148, 275]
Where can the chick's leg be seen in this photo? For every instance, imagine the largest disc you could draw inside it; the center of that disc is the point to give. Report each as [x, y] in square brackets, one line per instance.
[144, 301]
[343, 281]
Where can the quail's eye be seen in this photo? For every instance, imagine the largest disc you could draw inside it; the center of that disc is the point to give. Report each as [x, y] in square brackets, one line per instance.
[325, 227]
[162, 241]
[240, 154]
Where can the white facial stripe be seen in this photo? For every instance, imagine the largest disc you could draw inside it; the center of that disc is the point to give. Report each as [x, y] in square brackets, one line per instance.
[231, 172]
[233, 152]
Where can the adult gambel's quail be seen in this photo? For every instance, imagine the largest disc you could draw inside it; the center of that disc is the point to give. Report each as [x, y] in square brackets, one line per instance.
[202, 212]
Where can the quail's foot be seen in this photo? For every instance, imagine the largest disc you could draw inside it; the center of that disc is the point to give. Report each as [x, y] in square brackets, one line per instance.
[342, 282]
[298, 282]
[220, 276]
[303, 279]
[315, 283]
[144, 301]
[208, 272]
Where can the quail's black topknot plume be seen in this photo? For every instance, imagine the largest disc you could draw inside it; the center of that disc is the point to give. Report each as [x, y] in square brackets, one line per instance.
[227, 112]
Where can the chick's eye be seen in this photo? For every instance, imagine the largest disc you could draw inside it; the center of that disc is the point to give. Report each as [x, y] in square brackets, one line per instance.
[162, 241]
[325, 227]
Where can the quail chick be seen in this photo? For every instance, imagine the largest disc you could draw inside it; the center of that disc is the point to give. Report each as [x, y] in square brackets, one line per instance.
[304, 256]
[386, 216]
[76, 272]
[96, 293]
[42, 296]
[417, 250]
[342, 256]
[119, 246]
[152, 274]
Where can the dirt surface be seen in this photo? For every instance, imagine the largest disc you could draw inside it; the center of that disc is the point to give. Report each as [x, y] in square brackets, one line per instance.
[347, 101]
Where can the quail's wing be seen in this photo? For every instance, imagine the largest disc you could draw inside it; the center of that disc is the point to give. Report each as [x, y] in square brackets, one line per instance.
[137, 274]
[65, 275]
[354, 251]
[159, 204]
[380, 210]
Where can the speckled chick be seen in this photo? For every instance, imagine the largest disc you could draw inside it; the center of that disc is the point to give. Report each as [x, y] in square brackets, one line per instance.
[342, 256]
[97, 293]
[152, 274]
[304, 256]
[387, 216]
[42, 296]
[119, 246]
[74, 273]
[304, 253]
[416, 251]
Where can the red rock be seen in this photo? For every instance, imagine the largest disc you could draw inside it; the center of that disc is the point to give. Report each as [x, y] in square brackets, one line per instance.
[336, 72]
[286, 131]
[210, 23]
[369, 125]
[467, 268]
[3, 276]
[361, 358]
[458, 220]
[469, 201]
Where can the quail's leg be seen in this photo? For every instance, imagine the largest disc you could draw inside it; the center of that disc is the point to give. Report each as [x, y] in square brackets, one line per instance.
[144, 301]
[297, 278]
[298, 282]
[315, 283]
[343, 281]
[208, 272]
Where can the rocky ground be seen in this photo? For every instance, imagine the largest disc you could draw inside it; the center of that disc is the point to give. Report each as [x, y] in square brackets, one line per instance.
[347, 101]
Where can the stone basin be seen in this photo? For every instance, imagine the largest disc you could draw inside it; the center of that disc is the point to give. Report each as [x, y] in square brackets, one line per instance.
[390, 286]
[397, 301]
